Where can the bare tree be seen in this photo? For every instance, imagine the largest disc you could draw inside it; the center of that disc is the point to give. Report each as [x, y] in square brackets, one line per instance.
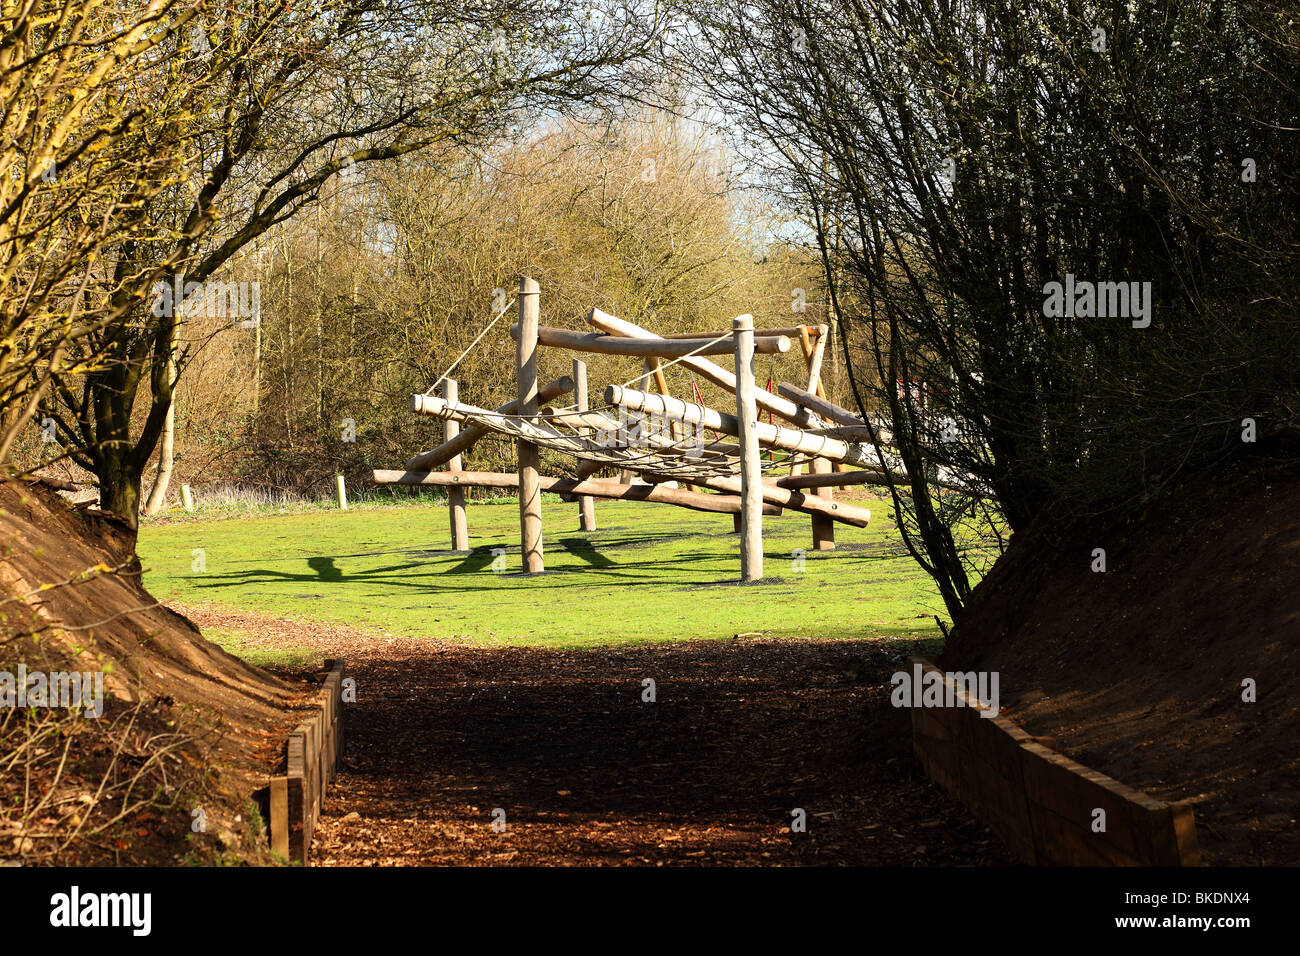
[77, 166]
[282, 100]
[955, 159]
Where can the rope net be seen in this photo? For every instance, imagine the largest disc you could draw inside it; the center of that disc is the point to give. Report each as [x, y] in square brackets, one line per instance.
[639, 443]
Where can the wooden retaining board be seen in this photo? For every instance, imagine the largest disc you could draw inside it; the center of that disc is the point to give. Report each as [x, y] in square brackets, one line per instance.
[1041, 803]
[313, 751]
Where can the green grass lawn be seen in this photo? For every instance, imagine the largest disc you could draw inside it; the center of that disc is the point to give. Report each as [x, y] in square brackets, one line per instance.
[650, 573]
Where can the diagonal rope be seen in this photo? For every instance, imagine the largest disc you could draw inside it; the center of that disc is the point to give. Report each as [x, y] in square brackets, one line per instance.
[452, 367]
[664, 365]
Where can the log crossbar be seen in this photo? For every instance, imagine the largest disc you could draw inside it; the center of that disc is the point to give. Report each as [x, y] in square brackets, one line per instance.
[790, 498]
[601, 343]
[791, 332]
[770, 436]
[832, 412]
[696, 501]
[765, 400]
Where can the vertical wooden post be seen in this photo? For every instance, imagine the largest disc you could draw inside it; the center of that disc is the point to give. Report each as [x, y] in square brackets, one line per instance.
[530, 488]
[824, 335]
[586, 503]
[751, 472]
[341, 493]
[823, 528]
[815, 356]
[455, 493]
[805, 340]
[279, 822]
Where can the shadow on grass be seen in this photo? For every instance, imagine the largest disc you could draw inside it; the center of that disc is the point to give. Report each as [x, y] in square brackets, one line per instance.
[421, 576]
[582, 548]
[325, 569]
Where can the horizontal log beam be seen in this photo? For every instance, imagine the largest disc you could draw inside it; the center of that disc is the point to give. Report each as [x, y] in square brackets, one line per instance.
[830, 411]
[526, 429]
[790, 498]
[576, 419]
[841, 479]
[658, 494]
[765, 400]
[769, 436]
[790, 331]
[823, 406]
[618, 434]
[857, 433]
[845, 478]
[428, 460]
[604, 344]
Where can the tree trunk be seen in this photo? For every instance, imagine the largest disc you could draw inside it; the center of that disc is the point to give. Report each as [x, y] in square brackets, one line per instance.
[120, 463]
[119, 488]
[166, 457]
[158, 494]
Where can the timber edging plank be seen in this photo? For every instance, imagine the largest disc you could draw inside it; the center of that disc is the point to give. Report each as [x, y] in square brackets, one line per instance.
[1042, 803]
[313, 751]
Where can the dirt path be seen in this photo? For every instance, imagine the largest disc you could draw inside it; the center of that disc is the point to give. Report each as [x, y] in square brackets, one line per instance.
[740, 734]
